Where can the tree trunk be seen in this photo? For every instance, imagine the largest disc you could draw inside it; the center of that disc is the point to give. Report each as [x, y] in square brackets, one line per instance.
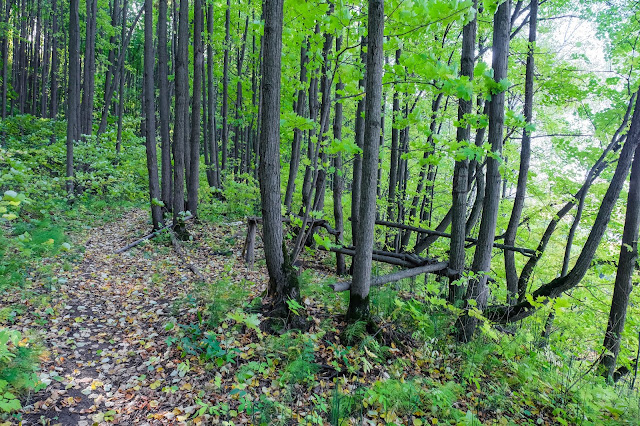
[198, 61]
[478, 290]
[359, 140]
[359, 294]
[461, 168]
[211, 98]
[283, 281]
[338, 174]
[181, 112]
[225, 86]
[150, 112]
[525, 154]
[121, 77]
[88, 83]
[626, 265]
[164, 104]
[294, 164]
[53, 109]
[393, 166]
[73, 99]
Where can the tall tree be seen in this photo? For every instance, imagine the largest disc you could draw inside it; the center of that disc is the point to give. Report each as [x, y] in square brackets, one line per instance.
[73, 97]
[196, 105]
[359, 295]
[225, 86]
[163, 103]
[477, 293]
[89, 79]
[283, 281]
[525, 155]
[150, 112]
[181, 113]
[461, 168]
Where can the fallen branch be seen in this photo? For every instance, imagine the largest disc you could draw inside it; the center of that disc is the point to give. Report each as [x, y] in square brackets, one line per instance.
[524, 251]
[377, 257]
[148, 237]
[178, 248]
[396, 276]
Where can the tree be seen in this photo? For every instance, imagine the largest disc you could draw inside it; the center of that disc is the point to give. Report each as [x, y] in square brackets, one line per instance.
[163, 104]
[198, 62]
[73, 100]
[283, 281]
[150, 117]
[359, 295]
[181, 113]
[477, 293]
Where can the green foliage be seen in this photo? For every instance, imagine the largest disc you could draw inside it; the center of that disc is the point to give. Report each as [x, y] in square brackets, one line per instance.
[18, 364]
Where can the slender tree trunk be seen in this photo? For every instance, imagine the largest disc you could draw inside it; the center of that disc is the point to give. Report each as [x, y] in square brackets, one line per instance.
[294, 164]
[53, 111]
[163, 103]
[283, 281]
[73, 98]
[88, 83]
[461, 168]
[150, 112]
[357, 158]
[359, 294]
[225, 86]
[198, 61]
[181, 112]
[46, 51]
[338, 174]
[393, 166]
[5, 61]
[626, 266]
[213, 143]
[525, 154]
[478, 290]
[121, 77]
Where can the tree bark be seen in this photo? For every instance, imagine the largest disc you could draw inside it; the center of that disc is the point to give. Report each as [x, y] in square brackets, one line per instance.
[150, 112]
[478, 290]
[461, 168]
[163, 103]
[283, 281]
[359, 293]
[359, 140]
[73, 99]
[338, 174]
[181, 113]
[213, 143]
[225, 86]
[525, 155]
[88, 83]
[198, 61]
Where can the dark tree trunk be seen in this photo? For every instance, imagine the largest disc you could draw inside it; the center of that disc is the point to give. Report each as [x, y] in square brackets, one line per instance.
[121, 77]
[150, 112]
[478, 290]
[198, 62]
[626, 266]
[393, 166]
[359, 294]
[163, 103]
[89, 80]
[237, 128]
[300, 105]
[359, 140]
[338, 174]
[225, 86]
[73, 98]
[283, 281]
[181, 112]
[53, 111]
[461, 169]
[525, 155]
[214, 161]
[46, 52]
[5, 61]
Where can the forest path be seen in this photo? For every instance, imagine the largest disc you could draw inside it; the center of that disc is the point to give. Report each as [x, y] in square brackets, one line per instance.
[107, 360]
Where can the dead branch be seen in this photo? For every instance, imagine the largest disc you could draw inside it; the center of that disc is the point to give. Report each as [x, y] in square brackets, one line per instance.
[396, 276]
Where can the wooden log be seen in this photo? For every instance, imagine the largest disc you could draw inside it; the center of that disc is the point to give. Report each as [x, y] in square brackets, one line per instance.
[377, 257]
[148, 237]
[396, 276]
[524, 251]
[250, 243]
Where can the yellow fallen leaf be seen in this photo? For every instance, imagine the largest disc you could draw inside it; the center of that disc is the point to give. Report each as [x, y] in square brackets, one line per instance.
[186, 386]
[153, 404]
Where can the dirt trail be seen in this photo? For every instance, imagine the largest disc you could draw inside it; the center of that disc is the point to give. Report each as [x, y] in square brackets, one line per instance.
[107, 359]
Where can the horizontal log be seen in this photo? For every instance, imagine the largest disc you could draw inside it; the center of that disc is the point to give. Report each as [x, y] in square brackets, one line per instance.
[377, 257]
[396, 276]
[524, 251]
